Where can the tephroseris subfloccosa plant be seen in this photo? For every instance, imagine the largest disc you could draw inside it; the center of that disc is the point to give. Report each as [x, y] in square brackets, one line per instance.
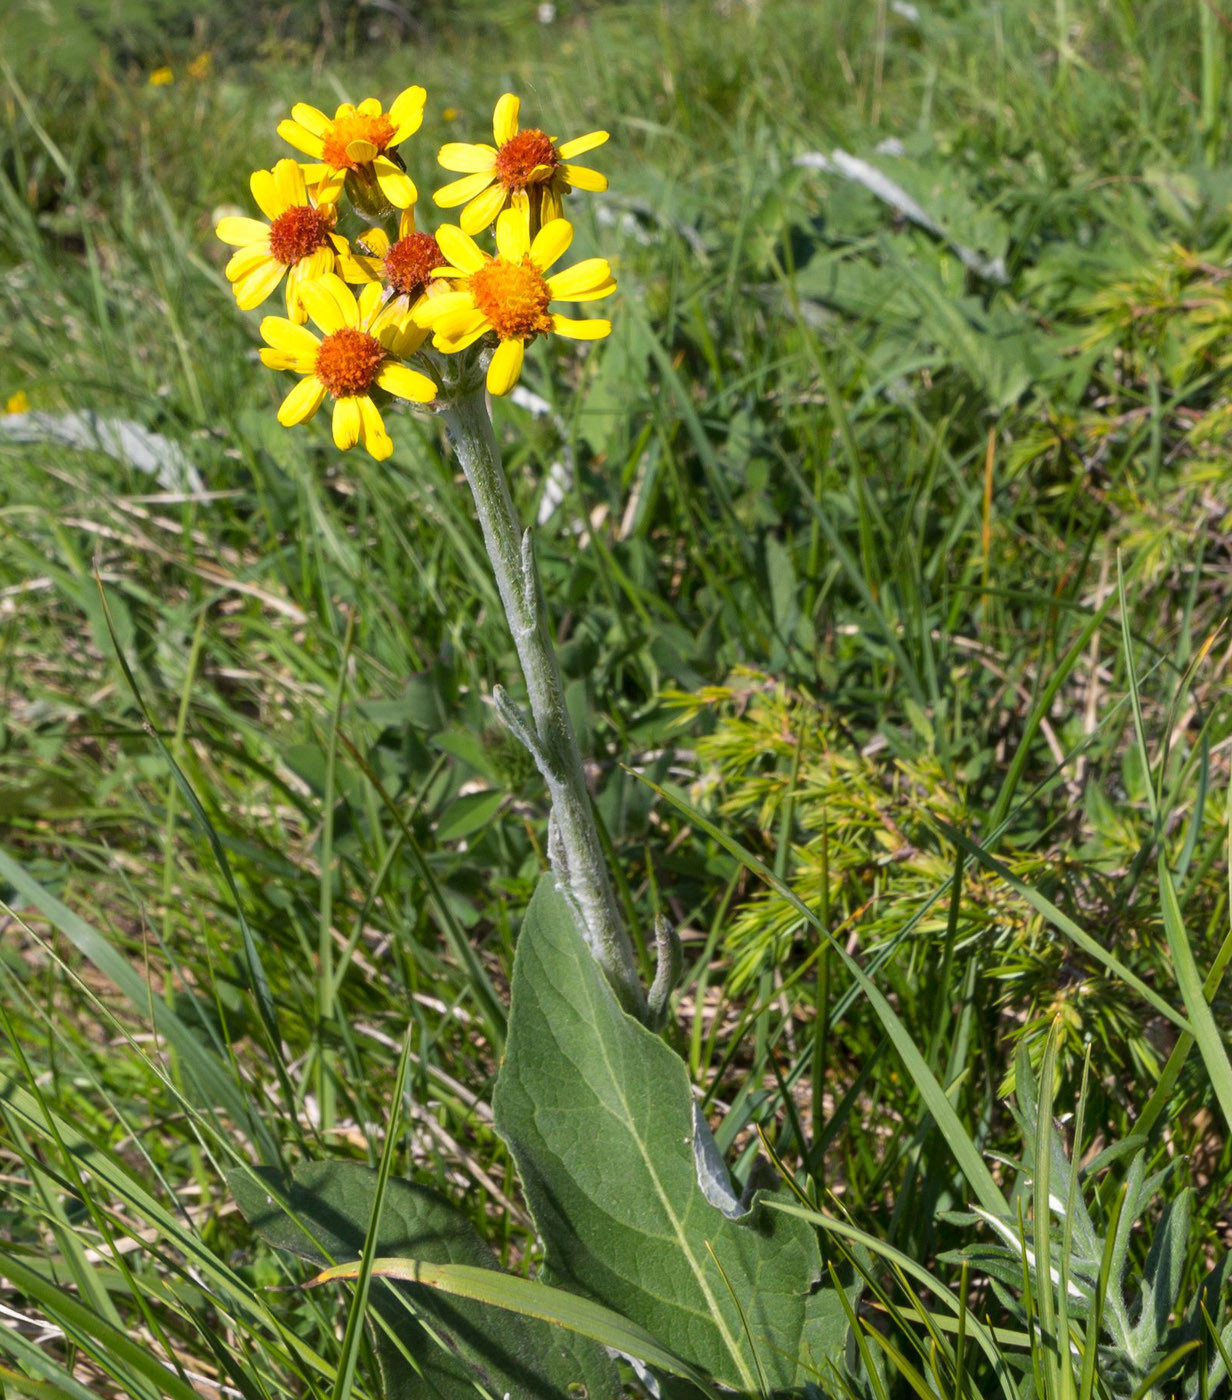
[628, 1192]
[435, 319]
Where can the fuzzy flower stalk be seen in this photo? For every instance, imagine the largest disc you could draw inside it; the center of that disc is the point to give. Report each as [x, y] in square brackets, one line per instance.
[439, 321]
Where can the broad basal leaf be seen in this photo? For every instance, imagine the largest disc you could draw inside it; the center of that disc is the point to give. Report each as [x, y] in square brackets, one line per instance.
[598, 1114]
[330, 1204]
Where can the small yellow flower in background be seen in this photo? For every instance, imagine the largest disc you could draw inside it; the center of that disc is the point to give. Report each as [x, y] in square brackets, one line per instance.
[18, 402]
[201, 65]
[160, 77]
[509, 293]
[352, 359]
[299, 240]
[404, 269]
[450, 114]
[525, 168]
[357, 138]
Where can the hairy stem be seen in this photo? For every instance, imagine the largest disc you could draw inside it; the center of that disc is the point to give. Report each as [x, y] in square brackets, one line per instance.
[575, 849]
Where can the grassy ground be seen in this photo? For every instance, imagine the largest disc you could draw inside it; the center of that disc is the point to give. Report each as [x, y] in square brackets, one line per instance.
[891, 568]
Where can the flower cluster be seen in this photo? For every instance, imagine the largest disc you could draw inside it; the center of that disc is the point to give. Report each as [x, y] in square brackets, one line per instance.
[419, 295]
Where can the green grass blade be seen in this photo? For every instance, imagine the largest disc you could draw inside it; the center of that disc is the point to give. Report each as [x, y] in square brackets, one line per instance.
[531, 1299]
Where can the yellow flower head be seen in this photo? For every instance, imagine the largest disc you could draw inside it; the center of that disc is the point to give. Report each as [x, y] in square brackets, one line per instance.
[18, 402]
[403, 269]
[358, 139]
[353, 358]
[298, 240]
[160, 77]
[526, 169]
[510, 294]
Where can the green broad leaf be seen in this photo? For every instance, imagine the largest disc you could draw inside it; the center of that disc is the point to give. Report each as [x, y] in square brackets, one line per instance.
[469, 814]
[431, 1346]
[599, 1116]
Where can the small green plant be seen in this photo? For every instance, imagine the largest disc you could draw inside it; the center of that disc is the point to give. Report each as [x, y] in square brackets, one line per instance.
[628, 1193]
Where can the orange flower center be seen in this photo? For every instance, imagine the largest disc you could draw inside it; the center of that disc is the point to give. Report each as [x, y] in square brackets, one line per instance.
[299, 231]
[378, 130]
[521, 157]
[348, 360]
[514, 297]
[409, 263]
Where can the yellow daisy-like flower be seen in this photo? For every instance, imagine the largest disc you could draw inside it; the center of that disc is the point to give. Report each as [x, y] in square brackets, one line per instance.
[348, 363]
[357, 138]
[524, 168]
[403, 269]
[298, 240]
[510, 294]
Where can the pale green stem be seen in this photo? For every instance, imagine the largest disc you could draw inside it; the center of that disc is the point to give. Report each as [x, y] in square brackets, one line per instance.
[574, 847]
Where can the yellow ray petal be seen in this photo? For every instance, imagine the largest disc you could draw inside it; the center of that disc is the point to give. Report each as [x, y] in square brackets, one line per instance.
[346, 422]
[581, 144]
[330, 188]
[358, 269]
[369, 107]
[289, 185]
[480, 212]
[343, 110]
[307, 270]
[582, 278]
[240, 232]
[375, 241]
[291, 339]
[372, 429]
[316, 264]
[505, 367]
[451, 347]
[252, 289]
[550, 243]
[406, 113]
[302, 402]
[549, 205]
[581, 330]
[244, 260]
[505, 118]
[462, 322]
[303, 140]
[431, 309]
[466, 158]
[279, 359]
[596, 293]
[261, 183]
[459, 191]
[460, 248]
[396, 185]
[406, 383]
[406, 224]
[361, 151]
[408, 101]
[512, 235]
[296, 309]
[331, 303]
[312, 119]
[393, 313]
[403, 340]
[369, 302]
[583, 179]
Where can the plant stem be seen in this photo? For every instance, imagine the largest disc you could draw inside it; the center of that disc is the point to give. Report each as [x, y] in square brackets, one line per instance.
[574, 847]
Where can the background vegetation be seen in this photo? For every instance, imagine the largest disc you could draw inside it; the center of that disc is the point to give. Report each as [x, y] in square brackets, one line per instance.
[900, 556]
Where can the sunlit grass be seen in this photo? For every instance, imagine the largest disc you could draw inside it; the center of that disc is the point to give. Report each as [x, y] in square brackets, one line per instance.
[815, 446]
